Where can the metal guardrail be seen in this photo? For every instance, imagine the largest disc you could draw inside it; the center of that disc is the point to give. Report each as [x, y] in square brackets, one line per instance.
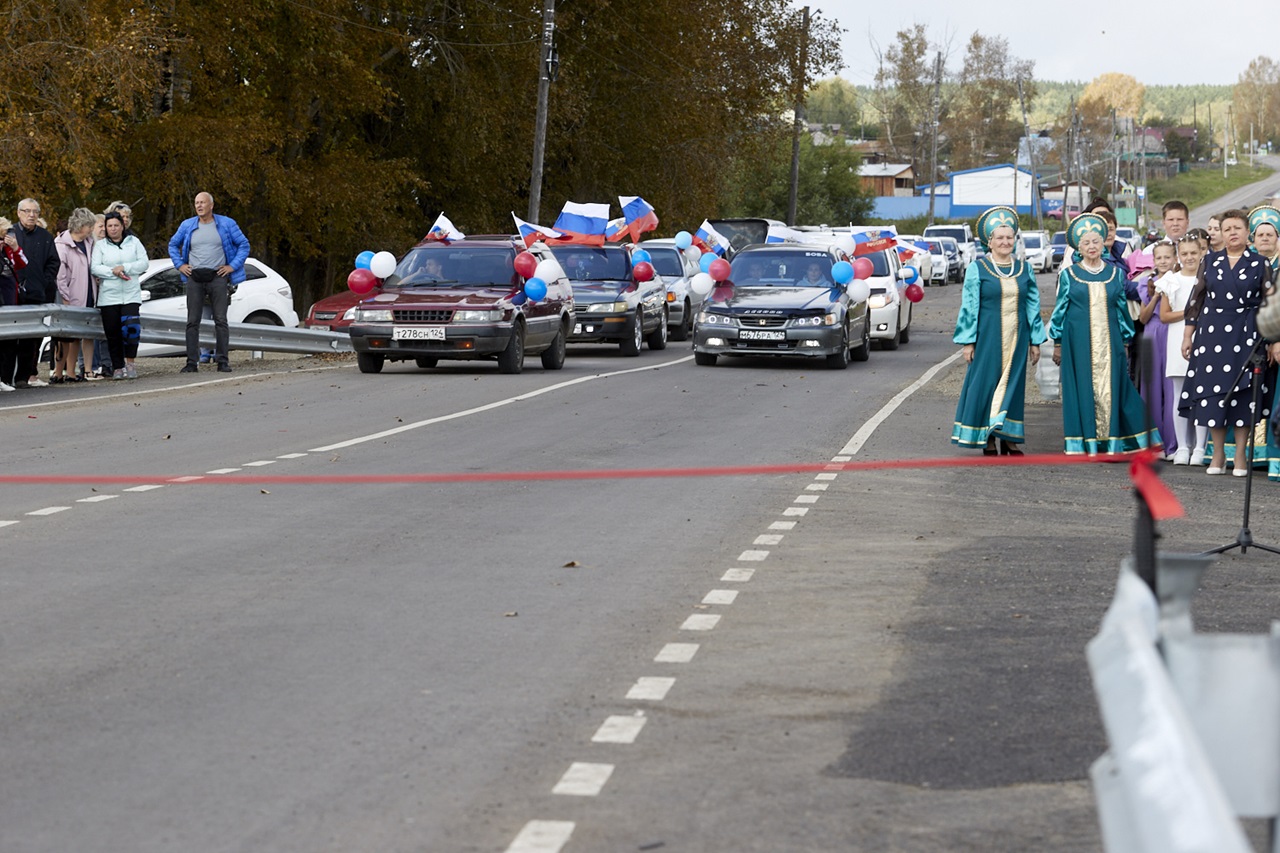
[38, 321]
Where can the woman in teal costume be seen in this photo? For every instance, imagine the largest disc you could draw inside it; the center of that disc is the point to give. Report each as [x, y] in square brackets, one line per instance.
[1264, 231]
[1101, 409]
[1001, 330]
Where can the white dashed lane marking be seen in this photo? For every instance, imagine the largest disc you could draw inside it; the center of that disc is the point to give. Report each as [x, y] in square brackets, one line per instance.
[677, 653]
[701, 622]
[738, 575]
[619, 729]
[7, 523]
[292, 456]
[146, 488]
[720, 596]
[49, 510]
[259, 463]
[96, 499]
[798, 510]
[783, 525]
[542, 836]
[651, 688]
[190, 478]
[583, 779]
[826, 476]
[752, 556]
[768, 539]
[816, 487]
[223, 471]
[806, 499]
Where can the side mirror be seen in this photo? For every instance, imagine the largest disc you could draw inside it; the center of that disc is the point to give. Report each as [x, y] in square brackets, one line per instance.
[146, 296]
[902, 272]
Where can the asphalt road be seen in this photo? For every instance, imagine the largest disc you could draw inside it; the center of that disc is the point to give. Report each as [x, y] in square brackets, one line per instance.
[875, 660]
[1246, 197]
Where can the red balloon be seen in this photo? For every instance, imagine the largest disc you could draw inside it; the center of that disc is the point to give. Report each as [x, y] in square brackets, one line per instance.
[915, 292]
[719, 269]
[643, 271]
[862, 268]
[361, 281]
[526, 263]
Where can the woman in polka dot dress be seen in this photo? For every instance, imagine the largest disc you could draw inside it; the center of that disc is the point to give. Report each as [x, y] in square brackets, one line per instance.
[1219, 337]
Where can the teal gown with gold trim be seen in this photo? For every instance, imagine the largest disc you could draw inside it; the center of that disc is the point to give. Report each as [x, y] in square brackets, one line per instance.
[1000, 316]
[1101, 409]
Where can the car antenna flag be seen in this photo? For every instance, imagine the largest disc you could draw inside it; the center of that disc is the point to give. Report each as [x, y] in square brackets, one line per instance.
[582, 223]
[531, 233]
[639, 215]
[443, 229]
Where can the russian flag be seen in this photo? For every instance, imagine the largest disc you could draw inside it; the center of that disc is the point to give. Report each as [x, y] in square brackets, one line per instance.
[616, 230]
[638, 214]
[708, 239]
[531, 233]
[582, 224]
[867, 243]
[443, 230]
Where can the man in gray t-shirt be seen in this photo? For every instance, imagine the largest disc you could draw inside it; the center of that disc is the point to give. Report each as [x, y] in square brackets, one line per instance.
[209, 252]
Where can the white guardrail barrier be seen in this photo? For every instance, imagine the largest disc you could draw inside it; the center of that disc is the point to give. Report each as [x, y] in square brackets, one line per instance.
[1192, 721]
[38, 321]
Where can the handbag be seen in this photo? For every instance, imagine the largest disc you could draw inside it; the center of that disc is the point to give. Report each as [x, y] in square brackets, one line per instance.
[203, 275]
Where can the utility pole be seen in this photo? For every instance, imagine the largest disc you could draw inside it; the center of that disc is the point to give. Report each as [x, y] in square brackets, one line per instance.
[540, 122]
[1031, 158]
[801, 85]
[1226, 141]
[933, 145]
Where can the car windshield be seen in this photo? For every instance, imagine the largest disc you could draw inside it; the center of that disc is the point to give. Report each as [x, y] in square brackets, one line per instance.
[1032, 241]
[447, 266]
[1060, 239]
[956, 234]
[782, 269]
[585, 264]
[666, 262]
[934, 247]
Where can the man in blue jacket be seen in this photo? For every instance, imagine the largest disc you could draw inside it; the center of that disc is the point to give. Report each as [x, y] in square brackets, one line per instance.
[209, 251]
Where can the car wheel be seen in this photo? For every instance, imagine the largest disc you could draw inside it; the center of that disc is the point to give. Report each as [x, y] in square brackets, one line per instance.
[263, 320]
[657, 339]
[425, 361]
[511, 359]
[840, 360]
[682, 332]
[630, 344]
[891, 343]
[553, 356]
[863, 352]
[370, 362]
[706, 359]
[905, 334]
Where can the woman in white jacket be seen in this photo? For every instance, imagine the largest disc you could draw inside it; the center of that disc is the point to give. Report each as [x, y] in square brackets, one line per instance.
[118, 261]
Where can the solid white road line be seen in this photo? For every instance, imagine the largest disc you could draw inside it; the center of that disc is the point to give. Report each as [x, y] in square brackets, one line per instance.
[738, 575]
[651, 688]
[619, 729]
[583, 779]
[720, 596]
[496, 404]
[542, 836]
[866, 430]
[671, 652]
[701, 622]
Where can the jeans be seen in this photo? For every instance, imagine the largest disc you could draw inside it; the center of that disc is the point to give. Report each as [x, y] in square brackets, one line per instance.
[219, 295]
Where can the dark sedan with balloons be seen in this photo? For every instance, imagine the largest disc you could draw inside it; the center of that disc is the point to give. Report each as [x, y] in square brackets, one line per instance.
[474, 298]
[617, 297]
[783, 300]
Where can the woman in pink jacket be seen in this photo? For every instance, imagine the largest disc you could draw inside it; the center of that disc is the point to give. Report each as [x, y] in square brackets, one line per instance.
[76, 287]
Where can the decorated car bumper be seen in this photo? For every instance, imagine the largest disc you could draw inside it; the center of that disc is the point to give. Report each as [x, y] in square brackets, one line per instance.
[437, 341]
[730, 340]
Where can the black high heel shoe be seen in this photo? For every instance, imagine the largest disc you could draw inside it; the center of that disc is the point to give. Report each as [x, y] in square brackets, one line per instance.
[990, 449]
[1007, 449]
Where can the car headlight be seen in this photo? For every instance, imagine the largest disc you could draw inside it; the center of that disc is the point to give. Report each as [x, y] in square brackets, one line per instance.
[819, 320]
[475, 316]
[604, 308]
[715, 319]
[877, 300]
[373, 315]
[350, 313]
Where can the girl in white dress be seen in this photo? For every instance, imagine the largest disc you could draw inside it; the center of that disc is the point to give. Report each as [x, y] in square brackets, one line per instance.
[1174, 289]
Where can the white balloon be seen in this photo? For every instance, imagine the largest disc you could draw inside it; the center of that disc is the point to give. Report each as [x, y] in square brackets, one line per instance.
[847, 245]
[383, 264]
[702, 283]
[859, 290]
[693, 253]
[548, 270]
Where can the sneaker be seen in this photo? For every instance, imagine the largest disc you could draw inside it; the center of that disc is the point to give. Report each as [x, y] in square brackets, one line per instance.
[1197, 457]
[1182, 456]
[36, 383]
[119, 374]
[130, 372]
[189, 368]
[224, 368]
[4, 386]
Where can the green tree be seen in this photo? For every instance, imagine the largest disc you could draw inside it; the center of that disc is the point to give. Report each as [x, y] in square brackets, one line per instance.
[983, 124]
[1257, 99]
[829, 189]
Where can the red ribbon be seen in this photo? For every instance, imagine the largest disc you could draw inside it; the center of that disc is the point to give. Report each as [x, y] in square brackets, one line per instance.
[1162, 503]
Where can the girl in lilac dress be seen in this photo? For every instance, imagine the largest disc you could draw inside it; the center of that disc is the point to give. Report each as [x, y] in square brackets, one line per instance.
[1157, 388]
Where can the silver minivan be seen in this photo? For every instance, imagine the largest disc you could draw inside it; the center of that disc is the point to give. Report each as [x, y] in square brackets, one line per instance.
[962, 234]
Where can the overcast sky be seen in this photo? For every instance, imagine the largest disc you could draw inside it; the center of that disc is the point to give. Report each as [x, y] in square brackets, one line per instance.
[1162, 43]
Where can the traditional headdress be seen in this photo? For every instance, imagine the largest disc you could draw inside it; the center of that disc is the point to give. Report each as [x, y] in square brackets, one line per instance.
[996, 217]
[1085, 223]
[1263, 214]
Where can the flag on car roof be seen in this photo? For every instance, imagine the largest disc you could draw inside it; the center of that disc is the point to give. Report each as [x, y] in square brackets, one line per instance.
[582, 224]
[867, 242]
[443, 229]
[531, 233]
[616, 230]
[708, 239]
[638, 214]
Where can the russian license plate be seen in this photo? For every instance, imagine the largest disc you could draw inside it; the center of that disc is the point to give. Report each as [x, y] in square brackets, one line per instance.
[759, 335]
[417, 333]
[320, 328]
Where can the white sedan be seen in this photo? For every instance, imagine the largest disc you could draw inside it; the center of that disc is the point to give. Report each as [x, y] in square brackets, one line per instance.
[263, 297]
[890, 308]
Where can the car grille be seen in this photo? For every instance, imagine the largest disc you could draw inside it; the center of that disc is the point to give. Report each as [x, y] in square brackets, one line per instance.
[415, 315]
[762, 321]
[326, 315]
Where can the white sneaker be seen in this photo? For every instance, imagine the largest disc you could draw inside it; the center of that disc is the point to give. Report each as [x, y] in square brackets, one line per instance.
[1182, 456]
[1197, 456]
[36, 383]
[5, 387]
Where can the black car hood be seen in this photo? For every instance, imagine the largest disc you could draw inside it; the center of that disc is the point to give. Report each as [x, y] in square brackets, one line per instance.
[599, 291]
[743, 299]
